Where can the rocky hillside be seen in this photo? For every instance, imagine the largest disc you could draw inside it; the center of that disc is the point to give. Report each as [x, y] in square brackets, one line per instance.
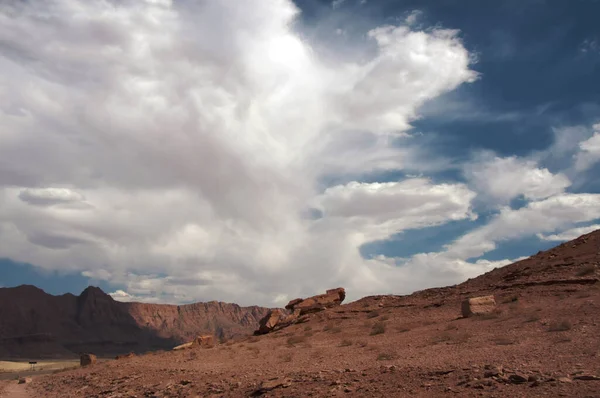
[37, 324]
[537, 338]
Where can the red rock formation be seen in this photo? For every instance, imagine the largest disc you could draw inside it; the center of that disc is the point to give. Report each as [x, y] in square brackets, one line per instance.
[277, 319]
[331, 298]
[36, 324]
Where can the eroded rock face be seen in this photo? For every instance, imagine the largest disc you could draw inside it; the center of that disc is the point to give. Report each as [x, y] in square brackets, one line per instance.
[331, 298]
[478, 306]
[278, 319]
[87, 359]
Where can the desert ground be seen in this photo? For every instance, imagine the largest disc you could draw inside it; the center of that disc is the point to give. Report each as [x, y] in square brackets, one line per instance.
[540, 341]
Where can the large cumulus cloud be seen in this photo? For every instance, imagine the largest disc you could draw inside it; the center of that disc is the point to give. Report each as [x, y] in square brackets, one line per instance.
[178, 149]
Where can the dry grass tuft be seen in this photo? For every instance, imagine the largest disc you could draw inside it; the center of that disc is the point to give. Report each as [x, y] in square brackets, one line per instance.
[294, 340]
[378, 328]
[372, 314]
[504, 341]
[386, 356]
[560, 326]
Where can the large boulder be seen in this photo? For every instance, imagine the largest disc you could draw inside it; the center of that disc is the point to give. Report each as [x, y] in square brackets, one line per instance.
[204, 341]
[87, 359]
[331, 298]
[276, 319]
[478, 306]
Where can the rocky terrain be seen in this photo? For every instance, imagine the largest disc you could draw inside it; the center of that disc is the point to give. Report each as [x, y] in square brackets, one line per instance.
[540, 338]
[35, 324]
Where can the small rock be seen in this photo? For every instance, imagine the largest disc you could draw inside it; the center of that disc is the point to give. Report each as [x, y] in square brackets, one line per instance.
[565, 380]
[24, 380]
[586, 377]
[517, 379]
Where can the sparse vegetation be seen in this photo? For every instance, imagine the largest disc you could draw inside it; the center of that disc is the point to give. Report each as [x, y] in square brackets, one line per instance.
[378, 328]
[503, 341]
[385, 356]
[490, 315]
[447, 336]
[345, 343]
[372, 314]
[294, 340]
[560, 326]
[533, 317]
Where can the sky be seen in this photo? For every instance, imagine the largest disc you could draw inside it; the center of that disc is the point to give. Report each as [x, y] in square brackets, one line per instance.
[176, 151]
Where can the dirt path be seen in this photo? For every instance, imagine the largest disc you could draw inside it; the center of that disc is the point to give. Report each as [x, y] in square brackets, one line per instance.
[14, 390]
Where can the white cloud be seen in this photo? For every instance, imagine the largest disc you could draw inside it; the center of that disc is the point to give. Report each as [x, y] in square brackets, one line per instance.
[379, 210]
[501, 179]
[188, 139]
[589, 151]
[547, 215]
[49, 196]
[412, 18]
[337, 3]
[570, 234]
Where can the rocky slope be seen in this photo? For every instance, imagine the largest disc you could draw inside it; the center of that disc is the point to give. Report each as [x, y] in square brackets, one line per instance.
[541, 341]
[36, 324]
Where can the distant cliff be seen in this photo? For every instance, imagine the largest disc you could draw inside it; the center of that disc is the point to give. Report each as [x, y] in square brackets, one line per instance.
[36, 324]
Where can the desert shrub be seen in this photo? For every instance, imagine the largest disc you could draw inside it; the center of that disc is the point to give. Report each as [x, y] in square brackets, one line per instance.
[587, 269]
[533, 317]
[511, 299]
[293, 340]
[490, 315]
[372, 314]
[503, 341]
[345, 343]
[378, 328]
[385, 356]
[447, 336]
[560, 326]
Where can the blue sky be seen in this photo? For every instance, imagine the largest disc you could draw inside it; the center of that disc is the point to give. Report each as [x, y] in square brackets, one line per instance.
[254, 155]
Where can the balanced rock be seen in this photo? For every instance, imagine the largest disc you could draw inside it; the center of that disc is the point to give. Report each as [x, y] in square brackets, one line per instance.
[331, 298]
[204, 341]
[87, 359]
[276, 319]
[478, 306]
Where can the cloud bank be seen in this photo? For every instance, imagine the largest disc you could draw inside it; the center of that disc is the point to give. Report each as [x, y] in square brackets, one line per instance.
[179, 150]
